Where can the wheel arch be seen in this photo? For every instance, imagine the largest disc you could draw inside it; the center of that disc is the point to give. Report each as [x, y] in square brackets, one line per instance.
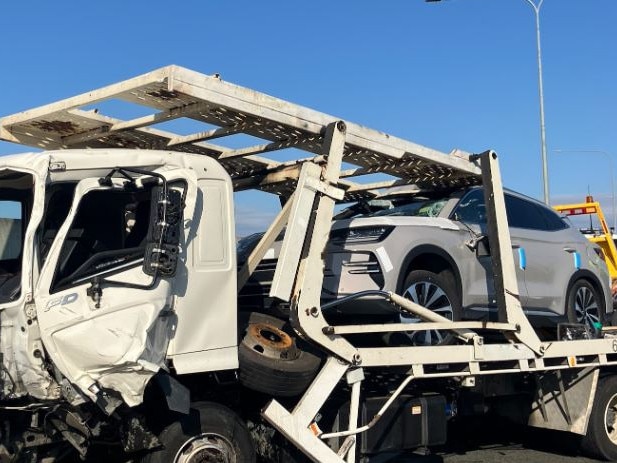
[432, 258]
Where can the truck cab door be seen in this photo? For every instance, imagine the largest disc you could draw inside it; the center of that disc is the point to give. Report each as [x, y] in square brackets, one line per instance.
[104, 297]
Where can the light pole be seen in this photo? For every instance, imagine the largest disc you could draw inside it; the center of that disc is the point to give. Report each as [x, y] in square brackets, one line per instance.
[610, 162]
[536, 9]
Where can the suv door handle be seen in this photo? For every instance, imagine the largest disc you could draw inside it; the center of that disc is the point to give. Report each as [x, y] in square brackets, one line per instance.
[570, 250]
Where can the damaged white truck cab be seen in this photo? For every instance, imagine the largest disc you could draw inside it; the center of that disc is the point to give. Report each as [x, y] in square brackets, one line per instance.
[96, 262]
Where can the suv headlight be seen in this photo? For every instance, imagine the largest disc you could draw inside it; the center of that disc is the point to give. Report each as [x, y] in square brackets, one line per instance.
[360, 234]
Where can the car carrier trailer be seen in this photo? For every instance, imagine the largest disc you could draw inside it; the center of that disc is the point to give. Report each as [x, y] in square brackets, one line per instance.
[114, 343]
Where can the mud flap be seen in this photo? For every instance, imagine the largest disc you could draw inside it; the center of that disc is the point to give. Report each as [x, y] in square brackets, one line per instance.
[564, 399]
[178, 397]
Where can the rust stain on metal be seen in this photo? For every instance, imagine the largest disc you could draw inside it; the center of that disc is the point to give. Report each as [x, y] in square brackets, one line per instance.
[61, 127]
[114, 140]
[163, 94]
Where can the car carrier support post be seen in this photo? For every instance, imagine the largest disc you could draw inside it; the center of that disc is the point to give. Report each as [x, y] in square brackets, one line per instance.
[305, 239]
[500, 244]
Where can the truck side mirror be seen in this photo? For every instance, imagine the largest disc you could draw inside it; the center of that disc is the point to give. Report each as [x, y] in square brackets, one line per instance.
[161, 255]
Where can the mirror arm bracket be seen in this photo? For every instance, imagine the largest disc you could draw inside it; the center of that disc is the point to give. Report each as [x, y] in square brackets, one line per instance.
[95, 291]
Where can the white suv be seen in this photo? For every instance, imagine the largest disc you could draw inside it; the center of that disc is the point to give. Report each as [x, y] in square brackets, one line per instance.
[430, 247]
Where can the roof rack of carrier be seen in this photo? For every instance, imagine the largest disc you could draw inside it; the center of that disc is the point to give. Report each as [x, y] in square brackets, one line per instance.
[221, 110]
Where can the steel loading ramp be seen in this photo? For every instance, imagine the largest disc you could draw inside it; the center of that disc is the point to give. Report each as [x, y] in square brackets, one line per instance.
[226, 110]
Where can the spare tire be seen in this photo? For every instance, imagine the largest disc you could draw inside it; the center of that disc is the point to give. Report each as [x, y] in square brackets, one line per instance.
[273, 360]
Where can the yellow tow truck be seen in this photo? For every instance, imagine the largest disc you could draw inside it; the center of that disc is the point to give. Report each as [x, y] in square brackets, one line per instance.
[602, 237]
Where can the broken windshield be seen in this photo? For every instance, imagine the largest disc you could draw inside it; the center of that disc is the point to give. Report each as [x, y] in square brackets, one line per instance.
[400, 205]
[16, 190]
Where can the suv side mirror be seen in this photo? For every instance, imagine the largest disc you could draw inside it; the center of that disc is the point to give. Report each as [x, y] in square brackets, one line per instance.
[161, 256]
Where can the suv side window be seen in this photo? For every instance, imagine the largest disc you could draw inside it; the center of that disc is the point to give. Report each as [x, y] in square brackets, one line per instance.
[524, 214]
[471, 208]
[521, 213]
[553, 221]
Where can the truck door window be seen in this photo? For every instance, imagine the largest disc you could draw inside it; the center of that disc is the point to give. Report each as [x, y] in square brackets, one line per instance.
[10, 230]
[57, 205]
[16, 195]
[108, 234]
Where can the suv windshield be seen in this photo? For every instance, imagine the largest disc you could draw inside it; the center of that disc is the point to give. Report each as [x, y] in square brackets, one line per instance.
[416, 207]
[407, 205]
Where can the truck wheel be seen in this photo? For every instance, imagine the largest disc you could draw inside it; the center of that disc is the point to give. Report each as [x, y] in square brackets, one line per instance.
[435, 291]
[601, 438]
[210, 433]
[272, 359]
[584, 304]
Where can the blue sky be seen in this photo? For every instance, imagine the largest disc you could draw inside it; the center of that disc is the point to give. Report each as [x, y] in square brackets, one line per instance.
[455, 74]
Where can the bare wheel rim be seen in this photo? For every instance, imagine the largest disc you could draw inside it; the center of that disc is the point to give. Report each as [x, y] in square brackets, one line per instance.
[433, 297]
[586, 306]
[610, 415]
[271, 342]
[206, 448]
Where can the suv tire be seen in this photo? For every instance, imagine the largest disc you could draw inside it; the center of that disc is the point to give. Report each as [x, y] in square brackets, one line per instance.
[584, 304]
[435, 291]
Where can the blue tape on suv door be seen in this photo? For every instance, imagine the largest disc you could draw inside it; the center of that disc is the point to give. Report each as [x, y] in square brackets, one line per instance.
[577, 260]
[522, 259]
